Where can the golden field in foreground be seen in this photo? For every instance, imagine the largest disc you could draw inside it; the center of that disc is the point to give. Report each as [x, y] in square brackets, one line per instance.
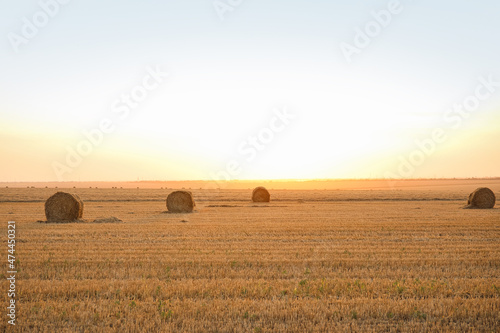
[404, 259]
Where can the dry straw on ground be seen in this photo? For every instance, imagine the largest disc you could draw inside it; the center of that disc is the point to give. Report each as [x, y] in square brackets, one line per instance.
[180, 202]
[63, 207]
[260, 194]
[111, 219]
[234, 268]
[481, 198]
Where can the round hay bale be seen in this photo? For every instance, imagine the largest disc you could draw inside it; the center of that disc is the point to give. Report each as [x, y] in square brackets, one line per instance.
[483, 198]
[63, 207]
[180, 202]
[260, 194]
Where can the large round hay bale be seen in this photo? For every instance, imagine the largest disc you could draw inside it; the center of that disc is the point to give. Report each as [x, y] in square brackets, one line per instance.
[180, 202]
[260, 194]
[63, 207]
[483, 198]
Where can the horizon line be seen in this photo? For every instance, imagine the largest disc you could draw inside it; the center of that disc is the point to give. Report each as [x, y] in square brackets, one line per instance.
[254, 180]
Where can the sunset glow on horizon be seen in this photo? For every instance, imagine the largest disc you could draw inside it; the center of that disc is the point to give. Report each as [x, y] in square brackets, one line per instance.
[164, 91]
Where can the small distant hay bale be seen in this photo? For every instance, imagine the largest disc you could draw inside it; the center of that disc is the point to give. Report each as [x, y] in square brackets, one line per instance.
[180, 202]
[482, 198]
[63, 207]
[260, 194]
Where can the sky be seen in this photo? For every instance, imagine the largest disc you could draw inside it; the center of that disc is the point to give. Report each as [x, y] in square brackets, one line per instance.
[248, 89]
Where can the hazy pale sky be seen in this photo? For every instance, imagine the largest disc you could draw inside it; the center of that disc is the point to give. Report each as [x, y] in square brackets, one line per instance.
[255, 89]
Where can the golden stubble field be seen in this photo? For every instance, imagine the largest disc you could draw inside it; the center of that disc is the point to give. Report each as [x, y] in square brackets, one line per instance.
[407, 260]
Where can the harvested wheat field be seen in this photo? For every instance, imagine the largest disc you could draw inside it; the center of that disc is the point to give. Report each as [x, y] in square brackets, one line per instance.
[360, 258]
